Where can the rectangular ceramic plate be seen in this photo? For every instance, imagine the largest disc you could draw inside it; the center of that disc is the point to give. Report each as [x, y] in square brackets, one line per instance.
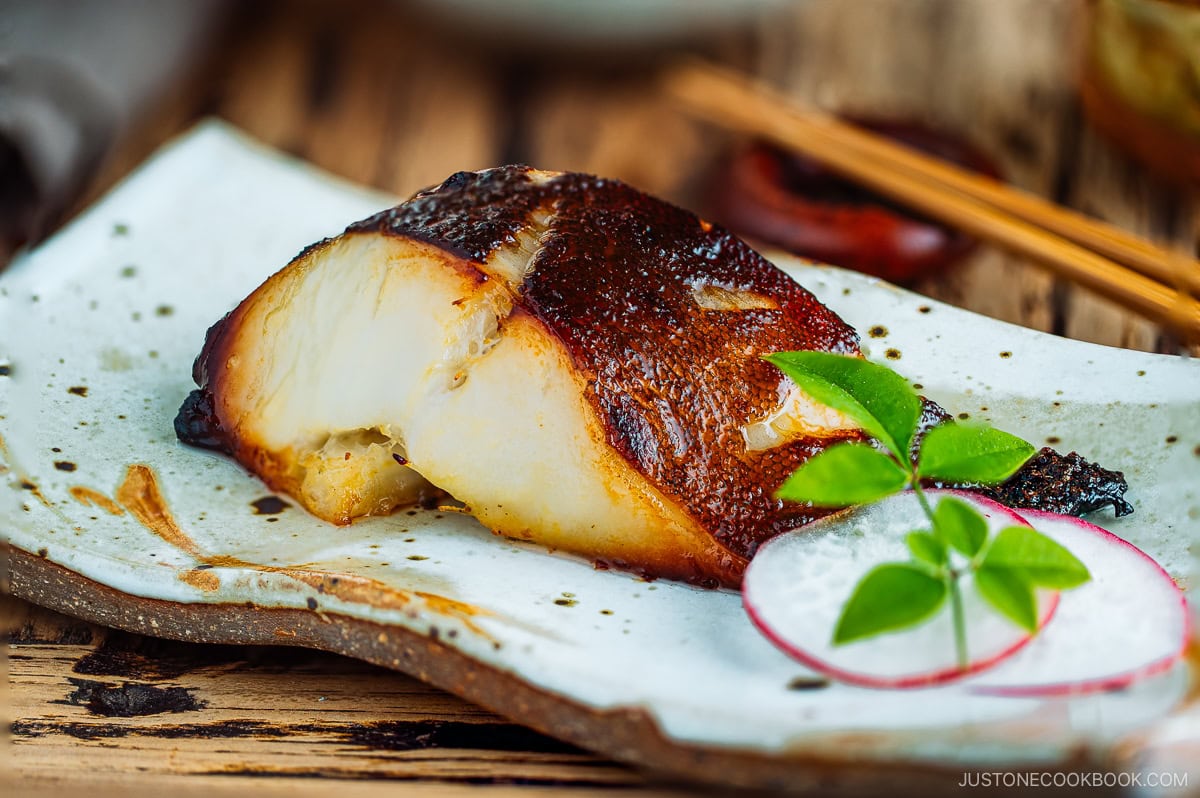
[110, 518]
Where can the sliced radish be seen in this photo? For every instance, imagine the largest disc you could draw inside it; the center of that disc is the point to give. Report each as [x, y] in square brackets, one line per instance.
[798, 582]
[1130, 621]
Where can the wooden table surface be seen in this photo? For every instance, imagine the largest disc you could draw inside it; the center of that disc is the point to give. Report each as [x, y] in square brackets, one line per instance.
[377, 93]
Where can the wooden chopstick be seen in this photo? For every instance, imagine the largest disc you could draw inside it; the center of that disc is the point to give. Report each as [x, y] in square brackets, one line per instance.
[977, 204]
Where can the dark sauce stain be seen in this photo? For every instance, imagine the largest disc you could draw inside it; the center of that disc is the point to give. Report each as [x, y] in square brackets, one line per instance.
[1141, 373]
[964, 416]
[164, 310]
[5, 370]
[878, 331]
[565, 602]
[1053, 439]
[64, 465]
[917, 386]
[801, 683]
[1006, 354]
[417, 557]
[892, 354]
[269, 505]
[924, 309]
[1196, 451]
[130, 699]
[27, 485]
[1172, 438]
[606, 612]
[78, 390]
[421, 735]
[43, 552]
[311, 602]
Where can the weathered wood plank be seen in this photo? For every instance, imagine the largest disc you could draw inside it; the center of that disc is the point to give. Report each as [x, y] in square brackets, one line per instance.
[1002, 75]
[364, 91]
[179, 708]
[949, 65]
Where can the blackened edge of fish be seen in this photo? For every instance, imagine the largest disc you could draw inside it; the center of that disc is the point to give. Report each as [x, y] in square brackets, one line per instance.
[197, 424]
[1062, 483]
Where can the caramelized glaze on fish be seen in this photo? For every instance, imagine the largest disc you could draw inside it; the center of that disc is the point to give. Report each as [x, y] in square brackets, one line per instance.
[578, 362]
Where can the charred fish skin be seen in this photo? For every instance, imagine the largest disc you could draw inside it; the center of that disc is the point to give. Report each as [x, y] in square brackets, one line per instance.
[633, 288]
[1065, 484]
[646, 324]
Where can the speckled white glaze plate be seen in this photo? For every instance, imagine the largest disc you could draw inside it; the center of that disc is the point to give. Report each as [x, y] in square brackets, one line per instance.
[99, 329]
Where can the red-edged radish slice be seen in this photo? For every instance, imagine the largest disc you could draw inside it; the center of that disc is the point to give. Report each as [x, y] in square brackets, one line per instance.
[798, 582]
[1128, 622]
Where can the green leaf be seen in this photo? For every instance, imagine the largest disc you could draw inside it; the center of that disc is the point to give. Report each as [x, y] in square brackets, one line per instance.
[874, 396]
[844, 474]
[959, 526]
[1037, 558]
[1009, 592]
[971, 453]
[926, 548]
[890, 597]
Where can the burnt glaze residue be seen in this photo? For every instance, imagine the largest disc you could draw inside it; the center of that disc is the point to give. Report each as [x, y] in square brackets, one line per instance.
[89, 497]
[1066, 484]
[196, 423]
[269, 505]
[140, 493]
[672, 383]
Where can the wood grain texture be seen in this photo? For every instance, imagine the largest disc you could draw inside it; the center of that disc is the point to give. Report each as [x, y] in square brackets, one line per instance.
[78, 691]
[373, 92]
[1003, 75]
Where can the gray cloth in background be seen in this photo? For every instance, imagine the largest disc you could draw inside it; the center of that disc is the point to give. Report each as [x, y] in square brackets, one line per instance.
[74, 75]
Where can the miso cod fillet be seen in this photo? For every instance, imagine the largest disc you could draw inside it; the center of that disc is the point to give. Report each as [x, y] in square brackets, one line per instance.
[577, 362]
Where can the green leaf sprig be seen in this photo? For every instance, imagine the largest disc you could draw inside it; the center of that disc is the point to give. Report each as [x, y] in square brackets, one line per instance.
[1006, 568]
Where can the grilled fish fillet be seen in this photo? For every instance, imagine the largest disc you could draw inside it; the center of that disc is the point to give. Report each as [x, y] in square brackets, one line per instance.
[577, 362]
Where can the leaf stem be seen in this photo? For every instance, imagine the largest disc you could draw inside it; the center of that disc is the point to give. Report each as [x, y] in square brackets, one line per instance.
[960, 625]
[952, 575]
[920, 494]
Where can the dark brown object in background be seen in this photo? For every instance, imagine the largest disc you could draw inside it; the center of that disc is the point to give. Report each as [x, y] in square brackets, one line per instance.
[1139, 84]
[795, 203]
[1058, 239]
